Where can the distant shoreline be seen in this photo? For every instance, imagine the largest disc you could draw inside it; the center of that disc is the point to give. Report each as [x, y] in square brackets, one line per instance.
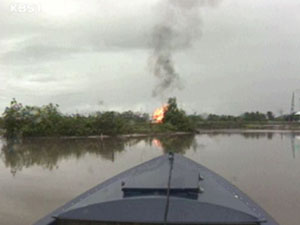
[133, 135]
[143, 135]
[238, 131]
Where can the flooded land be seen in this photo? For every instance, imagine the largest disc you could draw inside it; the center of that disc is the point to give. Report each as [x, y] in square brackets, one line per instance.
[39, 175]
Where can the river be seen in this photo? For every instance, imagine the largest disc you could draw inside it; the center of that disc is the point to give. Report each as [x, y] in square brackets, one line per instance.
[39, 175]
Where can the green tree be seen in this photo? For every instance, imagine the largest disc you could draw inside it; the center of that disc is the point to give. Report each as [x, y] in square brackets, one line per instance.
[270, 115]
[110, 123]
[12, 119]
[1, 122]
[177, 117]
[254, 116]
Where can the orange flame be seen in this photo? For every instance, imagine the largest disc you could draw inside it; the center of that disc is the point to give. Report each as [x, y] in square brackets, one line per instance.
[159, 114]
[156, 143]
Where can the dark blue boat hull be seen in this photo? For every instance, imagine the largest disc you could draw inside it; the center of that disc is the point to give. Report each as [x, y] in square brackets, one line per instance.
[218, 194]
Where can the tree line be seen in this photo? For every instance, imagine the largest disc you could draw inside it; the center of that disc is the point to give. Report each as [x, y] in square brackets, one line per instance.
[255, 116]
[28, 121]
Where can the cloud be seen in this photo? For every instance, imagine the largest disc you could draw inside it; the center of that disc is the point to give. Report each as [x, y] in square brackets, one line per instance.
[76, 54]
[37, 53]
[52, 40]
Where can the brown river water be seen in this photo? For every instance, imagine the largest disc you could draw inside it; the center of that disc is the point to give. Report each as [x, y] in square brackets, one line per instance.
[39, 175]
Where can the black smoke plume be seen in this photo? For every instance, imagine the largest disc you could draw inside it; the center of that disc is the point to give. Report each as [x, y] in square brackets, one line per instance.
[178, 27]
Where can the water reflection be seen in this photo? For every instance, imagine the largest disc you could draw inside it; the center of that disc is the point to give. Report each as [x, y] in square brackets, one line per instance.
[175, 144]
[253, 135]
[245, 134]
[295, 143]
[256, 162]
[295, 138]
[47, 153]
[18, 154]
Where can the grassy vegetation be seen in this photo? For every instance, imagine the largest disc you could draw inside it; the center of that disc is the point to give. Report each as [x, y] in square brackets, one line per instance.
[247, 120]
[272, 125]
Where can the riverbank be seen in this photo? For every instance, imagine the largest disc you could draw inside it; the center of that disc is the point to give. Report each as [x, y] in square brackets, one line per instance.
[239, 131]
[133, 135]
[157, 130]
[170, 134]
[152, 130]
[248, 125]
[48, 121]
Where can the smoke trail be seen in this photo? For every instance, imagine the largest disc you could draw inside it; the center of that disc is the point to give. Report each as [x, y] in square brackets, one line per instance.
[179, 26]
[162, 63]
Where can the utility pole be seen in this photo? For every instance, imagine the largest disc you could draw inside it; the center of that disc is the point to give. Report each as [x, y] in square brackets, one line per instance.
[293, 104]
[292, 107]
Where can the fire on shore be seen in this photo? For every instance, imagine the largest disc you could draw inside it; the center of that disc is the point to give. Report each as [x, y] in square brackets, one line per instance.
[159, 114]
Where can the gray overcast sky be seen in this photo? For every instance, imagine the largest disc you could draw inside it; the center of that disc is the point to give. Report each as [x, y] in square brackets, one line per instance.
[89, 55]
